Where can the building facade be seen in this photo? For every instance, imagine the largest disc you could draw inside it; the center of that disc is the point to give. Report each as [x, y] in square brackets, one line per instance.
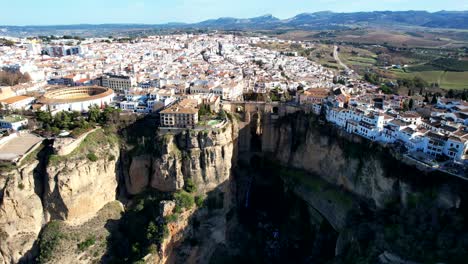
[183, 114]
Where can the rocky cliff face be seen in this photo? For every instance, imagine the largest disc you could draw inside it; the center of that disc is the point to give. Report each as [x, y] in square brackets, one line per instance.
[205, 157]
[70, 188]
[352, 162]
[21, 214]
[76, 189]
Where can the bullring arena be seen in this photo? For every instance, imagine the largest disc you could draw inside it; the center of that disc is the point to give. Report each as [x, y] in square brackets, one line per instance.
[79, 98]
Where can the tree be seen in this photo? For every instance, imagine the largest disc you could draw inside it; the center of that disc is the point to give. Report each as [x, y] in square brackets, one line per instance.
[434, 99]
[450, 94]
[386, 90]
[94, 114]
[411, 104]
[204, 110]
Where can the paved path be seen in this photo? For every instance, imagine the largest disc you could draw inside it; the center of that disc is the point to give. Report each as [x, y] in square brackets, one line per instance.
[337, 58]
[18, 146]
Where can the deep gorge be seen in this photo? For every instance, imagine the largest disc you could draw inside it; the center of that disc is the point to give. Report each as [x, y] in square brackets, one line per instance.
[274, 189]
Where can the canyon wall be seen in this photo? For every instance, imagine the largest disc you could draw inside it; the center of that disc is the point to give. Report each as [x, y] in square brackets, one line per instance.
[205, 157]
[71, 188]
[359, 166]
[21, 214]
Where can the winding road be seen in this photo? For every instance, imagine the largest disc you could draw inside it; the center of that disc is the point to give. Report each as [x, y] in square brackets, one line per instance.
[337, 58]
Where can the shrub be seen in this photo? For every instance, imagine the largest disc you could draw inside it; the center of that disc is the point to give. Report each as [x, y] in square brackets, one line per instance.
[183, 200]
[21, 186]
[111, 157]
[49, 240]
[171, 218]
[87, 243]
[92, 157]
[190, 186]
[199, 200]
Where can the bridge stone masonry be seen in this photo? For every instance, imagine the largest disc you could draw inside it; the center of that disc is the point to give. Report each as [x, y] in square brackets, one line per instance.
[258, 136]
[254, 116]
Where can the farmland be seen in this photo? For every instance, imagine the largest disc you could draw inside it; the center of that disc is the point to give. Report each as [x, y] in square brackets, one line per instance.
[439, 57]
[445, 79]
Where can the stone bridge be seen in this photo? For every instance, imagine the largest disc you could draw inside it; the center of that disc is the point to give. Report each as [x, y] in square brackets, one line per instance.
[254, 117]
[257, 129]
[273, 109]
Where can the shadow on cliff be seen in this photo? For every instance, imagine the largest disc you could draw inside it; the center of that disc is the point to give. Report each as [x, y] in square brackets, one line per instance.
[142, 228]
[40, 180]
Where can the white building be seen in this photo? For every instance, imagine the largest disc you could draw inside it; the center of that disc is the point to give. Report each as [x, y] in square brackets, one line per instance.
[14, 122]
[18, 102]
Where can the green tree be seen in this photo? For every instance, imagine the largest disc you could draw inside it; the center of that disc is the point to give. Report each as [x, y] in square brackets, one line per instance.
[93, 114]
[204, 110]
[183, 200]
[411, 104]
[189, 186]
[386, 90]
[450, 94]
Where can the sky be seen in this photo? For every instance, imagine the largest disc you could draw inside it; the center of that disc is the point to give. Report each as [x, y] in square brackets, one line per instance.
[63, 12]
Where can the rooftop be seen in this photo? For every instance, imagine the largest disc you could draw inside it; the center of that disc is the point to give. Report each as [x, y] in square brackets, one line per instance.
[186, 106]
[15, 99]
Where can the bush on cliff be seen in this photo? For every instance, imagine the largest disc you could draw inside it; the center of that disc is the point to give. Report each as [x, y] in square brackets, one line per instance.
[87, 243]
[183, 200]
[141, 229]
[49, 240]
[92, 157]
[199, 200]
[190, 186]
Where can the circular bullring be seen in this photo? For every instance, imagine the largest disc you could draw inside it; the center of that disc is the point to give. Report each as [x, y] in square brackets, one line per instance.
[78, 98]
[75, 94]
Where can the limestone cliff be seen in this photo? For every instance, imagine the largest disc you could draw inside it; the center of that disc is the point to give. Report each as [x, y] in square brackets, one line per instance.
[21, 215]
[75, 189]
[359, 166]
[71, 188]
[205, 157]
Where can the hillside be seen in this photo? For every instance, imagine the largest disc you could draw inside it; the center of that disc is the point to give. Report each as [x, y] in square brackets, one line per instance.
[306, 21]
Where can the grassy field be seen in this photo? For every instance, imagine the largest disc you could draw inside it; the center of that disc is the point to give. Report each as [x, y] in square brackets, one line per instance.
[433, 66]
[446, 80]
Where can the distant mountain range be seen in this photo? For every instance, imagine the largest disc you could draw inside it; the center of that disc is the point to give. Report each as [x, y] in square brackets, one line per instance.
[306, 21]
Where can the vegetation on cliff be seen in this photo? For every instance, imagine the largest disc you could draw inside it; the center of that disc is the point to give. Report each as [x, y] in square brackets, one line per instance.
[140, 230]
[92, 148]
[76, 122]
[62, 243]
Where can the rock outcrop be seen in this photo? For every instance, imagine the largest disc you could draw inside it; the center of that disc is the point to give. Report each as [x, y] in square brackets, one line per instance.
[205, 157]
[76, 189]
[72, 188]
[362, 168]
[21, 215]
[297, 143]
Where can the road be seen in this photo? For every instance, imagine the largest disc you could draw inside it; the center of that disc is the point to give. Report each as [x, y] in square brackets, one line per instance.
[337, 58]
